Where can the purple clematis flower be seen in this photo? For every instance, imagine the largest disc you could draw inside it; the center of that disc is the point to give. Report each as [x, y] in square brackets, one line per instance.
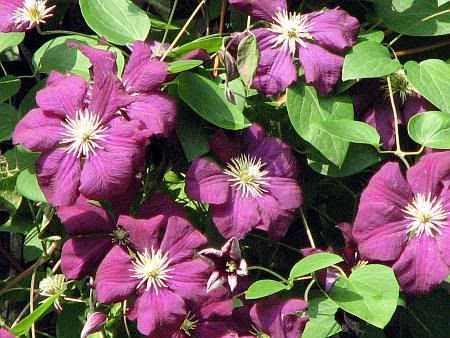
[162, 274]
[142, 78]
[23, 15]
[93, 233]
[228, 265]
[257, 188]
[319, 38]
[86, 147]
[405, 222]
[372, 102]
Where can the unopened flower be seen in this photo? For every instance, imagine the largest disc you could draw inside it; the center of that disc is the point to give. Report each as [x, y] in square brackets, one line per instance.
[404, 222]
[86, 146]
[22, 15]
[228, 265]
[142, 79]
[93, 233]
[319, 38]
[255, 188]
[161, 274]
[94, 323]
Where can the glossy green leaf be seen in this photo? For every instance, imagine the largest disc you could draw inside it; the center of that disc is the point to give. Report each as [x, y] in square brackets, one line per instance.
[24, 325]
[209, 43]
[312, 263]
[368, 59]
[377, 36]
[321, 312]
[351, 131]
[157, 23]
[9, 118]
[32, 246]
[56, 55]
[192, 133]
[119, 21]
[414, 17]
[432, 79]
[305, 108]
[8, 40]
[179, 66]
[208, 100]
[431, 129]
[263, 288]
[28, 186]
[370, 293]
[247, 59]
[9, 86]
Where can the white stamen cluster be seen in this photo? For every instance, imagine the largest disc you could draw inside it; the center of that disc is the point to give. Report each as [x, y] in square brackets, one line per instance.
[291, 29]
[400, 85]
[83, 133]
[32, 12]
[152, 269]
[427, 215]
[52, 285]
[247, 175]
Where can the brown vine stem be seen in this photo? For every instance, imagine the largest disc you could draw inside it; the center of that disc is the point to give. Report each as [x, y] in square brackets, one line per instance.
[223, 11]
[30, 270]
[183, 29]
[11, 259]
[308, 231]
[33, 277]
[421, 49]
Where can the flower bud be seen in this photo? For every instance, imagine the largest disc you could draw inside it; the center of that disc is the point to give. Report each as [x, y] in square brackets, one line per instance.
[94, 323]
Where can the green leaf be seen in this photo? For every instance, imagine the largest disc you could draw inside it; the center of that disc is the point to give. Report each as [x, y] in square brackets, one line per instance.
[8, 40]
[56, 55]
[28, 186]
[9, 86]
[442, 2]
[428, 316]
[157, 23]
[29, 101]
[9, 118]
[432, 79]
[313, 263]
[179, 66]
[191, 131]
[69, 322]
[431, 129]
[359, 157]
[24, 325]
[119, 21]
[210, 43]
[208, 100]
[368, 59]
[305, 108]
[247, 59]
[32, 246]
[407, 17]
[264, 288]
[377, 36]
[351, 131]
[321, 312]
[370, 293]
[20, 158]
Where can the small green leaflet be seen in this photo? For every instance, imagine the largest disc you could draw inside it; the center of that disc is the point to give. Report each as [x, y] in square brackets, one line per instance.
[313, 263]
[431, 129]
[247, 59]
[263, 288]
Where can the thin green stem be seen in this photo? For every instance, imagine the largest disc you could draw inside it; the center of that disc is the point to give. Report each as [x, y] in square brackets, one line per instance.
[169, 22]
[342, 272]
[261, 268]
[394, 109]
[307, 229]
[279, 243]
[308, 288]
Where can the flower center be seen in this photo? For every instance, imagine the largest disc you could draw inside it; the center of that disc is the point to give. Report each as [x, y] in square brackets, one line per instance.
[427, 216]
[231, 266]
[152, 268]
[247, 175]
[291, 29]
[400, 85]
[83, 133]
[120, 236]
[32, 12]
[52, 285]
[189, 324]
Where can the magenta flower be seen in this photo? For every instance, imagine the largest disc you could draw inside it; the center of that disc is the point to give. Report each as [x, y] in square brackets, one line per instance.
[86, 147]
[319, 38]
[23, 15]
[92, 232]
[257, 187]
[404, 222]
[161, 274]
[228, 265]
[142, 78]
[373, 104]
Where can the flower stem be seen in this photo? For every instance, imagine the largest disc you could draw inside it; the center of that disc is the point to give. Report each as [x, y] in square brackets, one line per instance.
[183, 29]
[223, 11]
[169, 22]
[308, 231]
[308, 288]
[261, 268]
